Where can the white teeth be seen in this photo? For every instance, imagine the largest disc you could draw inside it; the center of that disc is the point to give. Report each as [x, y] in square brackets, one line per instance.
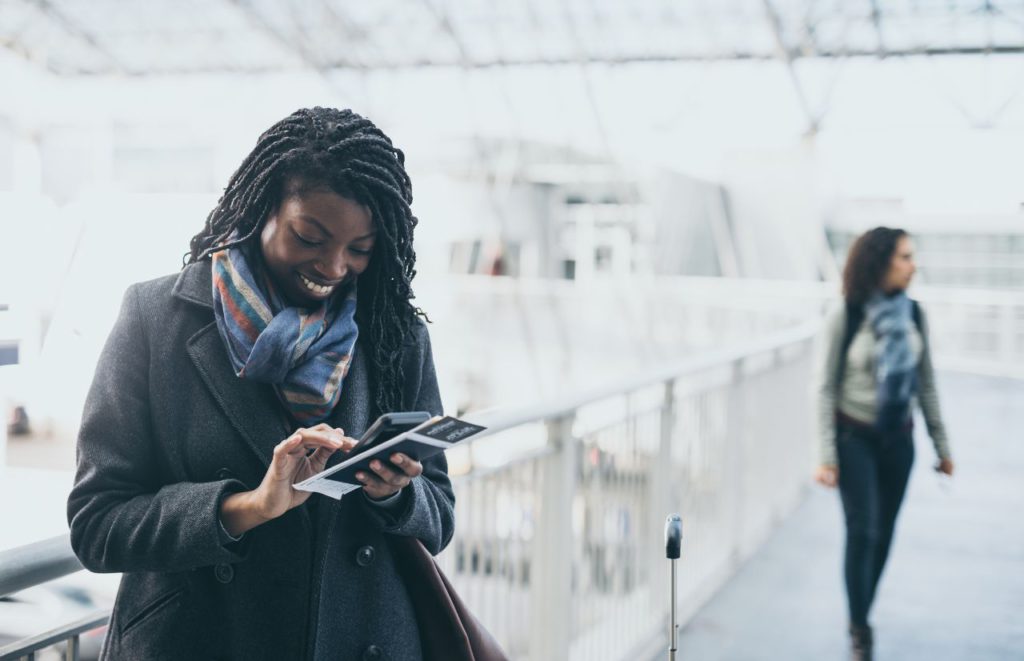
[315, 288]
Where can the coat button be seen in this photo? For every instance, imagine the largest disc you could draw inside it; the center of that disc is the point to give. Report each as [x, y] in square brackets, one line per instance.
[373, 653]
[224, 573]
[224, 474]
[365, 555]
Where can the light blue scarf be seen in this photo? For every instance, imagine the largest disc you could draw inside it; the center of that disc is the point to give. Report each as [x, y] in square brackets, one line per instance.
[895, 365]
[305, 354]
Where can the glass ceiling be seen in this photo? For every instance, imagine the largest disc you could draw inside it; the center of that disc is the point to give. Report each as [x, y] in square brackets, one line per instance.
[155, 37]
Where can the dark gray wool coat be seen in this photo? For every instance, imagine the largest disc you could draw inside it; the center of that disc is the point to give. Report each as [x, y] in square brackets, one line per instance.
[167, 432]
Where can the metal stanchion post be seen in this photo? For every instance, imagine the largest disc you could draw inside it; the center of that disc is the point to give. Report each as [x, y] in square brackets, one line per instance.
[673, 542]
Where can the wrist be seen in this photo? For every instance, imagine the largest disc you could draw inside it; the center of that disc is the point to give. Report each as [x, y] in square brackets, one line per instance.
[241, 512]
[383, 499]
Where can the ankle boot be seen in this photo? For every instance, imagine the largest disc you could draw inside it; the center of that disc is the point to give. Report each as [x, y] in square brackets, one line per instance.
[860, 642]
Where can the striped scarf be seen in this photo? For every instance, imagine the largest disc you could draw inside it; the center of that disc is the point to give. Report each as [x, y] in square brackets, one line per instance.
[305, 354]
[895, 366]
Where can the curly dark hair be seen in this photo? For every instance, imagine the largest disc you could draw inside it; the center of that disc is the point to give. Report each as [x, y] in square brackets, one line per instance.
[868, 262]
[347, 154]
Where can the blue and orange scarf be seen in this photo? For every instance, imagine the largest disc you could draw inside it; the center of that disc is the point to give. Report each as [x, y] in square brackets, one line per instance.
[305, 354]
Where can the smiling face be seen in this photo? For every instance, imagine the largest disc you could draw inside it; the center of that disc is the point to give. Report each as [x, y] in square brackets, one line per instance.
[315, 242]
[901, 267]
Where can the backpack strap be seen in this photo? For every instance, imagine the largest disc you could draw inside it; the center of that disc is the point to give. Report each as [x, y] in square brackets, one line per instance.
[854, 318]
[915, 313]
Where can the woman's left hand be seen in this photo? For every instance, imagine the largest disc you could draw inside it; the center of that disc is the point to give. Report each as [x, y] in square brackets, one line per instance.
[945, 466]
[384, 481]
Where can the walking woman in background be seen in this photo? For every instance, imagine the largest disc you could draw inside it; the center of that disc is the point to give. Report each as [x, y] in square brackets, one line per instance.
[876, 361]
[287, 332]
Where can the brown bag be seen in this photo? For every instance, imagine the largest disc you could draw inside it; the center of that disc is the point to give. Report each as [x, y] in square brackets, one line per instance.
[448, 631]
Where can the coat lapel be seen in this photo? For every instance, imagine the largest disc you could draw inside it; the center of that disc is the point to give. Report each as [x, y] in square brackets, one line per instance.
[252, 407]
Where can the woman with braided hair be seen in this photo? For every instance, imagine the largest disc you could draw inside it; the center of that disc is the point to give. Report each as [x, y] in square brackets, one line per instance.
[288, 331]
[876, 362]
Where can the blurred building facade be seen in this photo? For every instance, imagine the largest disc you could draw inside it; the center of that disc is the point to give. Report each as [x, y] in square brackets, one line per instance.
[953, 249]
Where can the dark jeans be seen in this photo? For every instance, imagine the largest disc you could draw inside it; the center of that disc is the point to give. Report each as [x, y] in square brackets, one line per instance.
[873, 473]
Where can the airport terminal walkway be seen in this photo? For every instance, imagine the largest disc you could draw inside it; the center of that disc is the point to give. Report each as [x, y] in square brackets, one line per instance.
[954, 586]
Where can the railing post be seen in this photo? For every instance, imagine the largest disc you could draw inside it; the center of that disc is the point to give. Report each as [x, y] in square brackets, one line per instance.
[661, 497]
[733, 483]
[1006, 357]
[553, 548]
[3, 428]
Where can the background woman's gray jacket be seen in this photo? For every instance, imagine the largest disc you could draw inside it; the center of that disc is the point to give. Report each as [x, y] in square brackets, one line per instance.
[855, 393]
[168, 431]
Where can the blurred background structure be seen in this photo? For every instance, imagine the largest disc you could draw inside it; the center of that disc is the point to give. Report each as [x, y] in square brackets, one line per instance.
[633, 215]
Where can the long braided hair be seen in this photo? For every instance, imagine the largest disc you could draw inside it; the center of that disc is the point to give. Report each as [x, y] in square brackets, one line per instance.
[348, 154]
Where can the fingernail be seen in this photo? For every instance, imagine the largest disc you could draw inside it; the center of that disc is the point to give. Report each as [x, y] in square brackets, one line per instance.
[361, 477]
[375, 465]
[398, 459]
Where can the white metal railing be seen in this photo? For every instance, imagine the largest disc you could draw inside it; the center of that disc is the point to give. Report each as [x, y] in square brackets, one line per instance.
[558, 548]
[560, 509]
[34, 564]
[723, 440]
[978, 331]
[554, 335]
[972, 329]
[560, 551]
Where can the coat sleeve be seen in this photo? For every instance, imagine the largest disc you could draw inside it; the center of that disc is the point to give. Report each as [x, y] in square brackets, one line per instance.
[428, 503]
[827, 384]
[125, 511]
[928, 395]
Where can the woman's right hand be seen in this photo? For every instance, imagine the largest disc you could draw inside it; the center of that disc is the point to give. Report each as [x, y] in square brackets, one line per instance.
[301, 455]
[827, 475]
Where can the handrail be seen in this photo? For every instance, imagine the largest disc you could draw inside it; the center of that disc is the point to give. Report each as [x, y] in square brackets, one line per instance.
[26, 566]
[30, 565]
[69, 632]
[36, 563]
[500, 419]
[42, 561]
